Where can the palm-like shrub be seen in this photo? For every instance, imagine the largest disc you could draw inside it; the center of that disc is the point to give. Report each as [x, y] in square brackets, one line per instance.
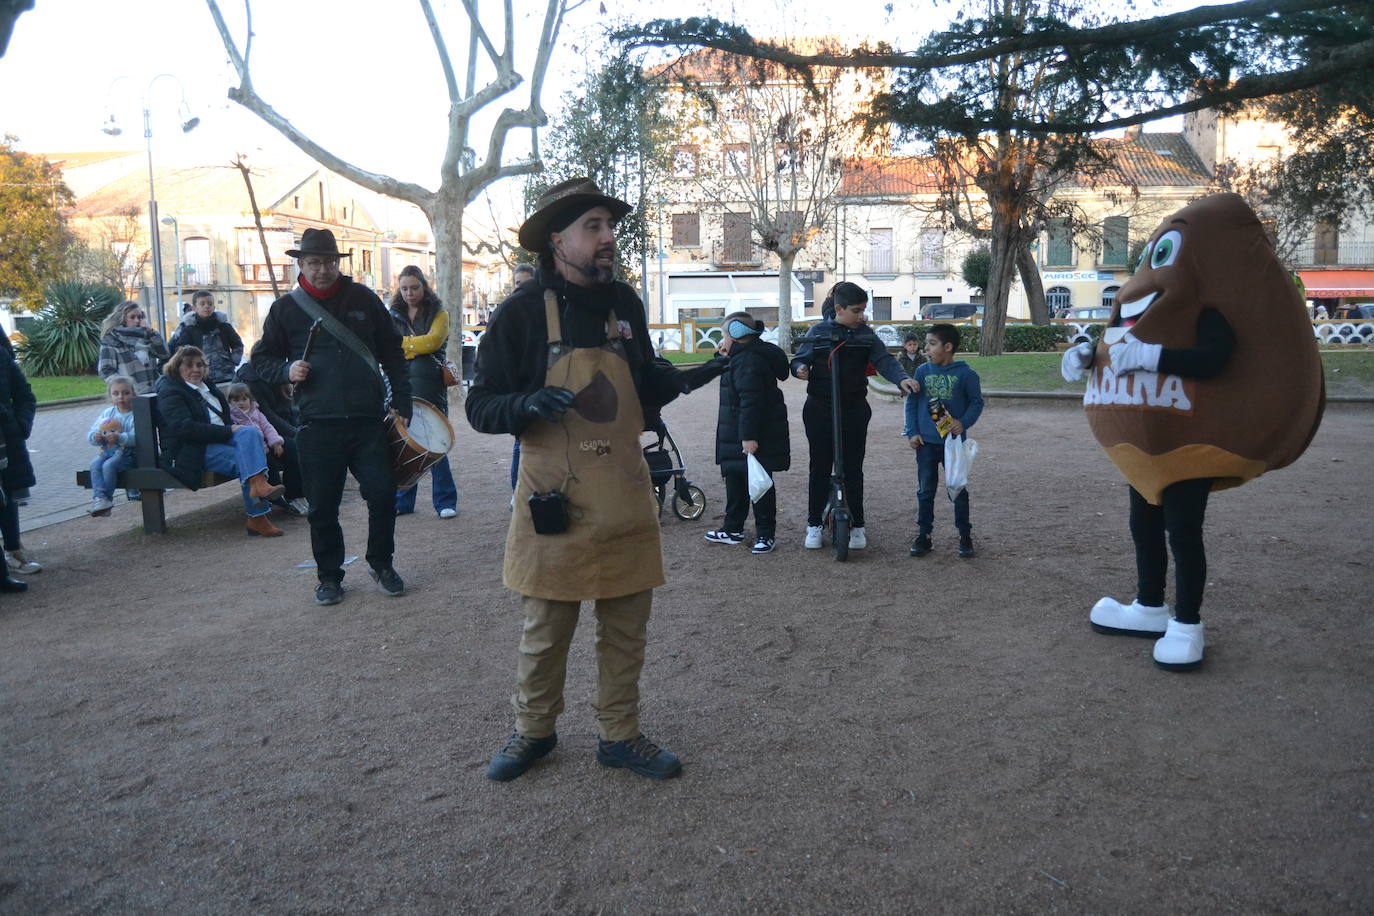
[64, 338]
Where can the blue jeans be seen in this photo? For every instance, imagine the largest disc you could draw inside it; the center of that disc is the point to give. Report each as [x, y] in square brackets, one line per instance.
[445, 490]
[106, 467]
[246, 458]
[928, 460]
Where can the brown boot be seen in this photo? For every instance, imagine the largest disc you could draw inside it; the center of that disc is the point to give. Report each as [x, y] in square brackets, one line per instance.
[261, 490]
[259, 526]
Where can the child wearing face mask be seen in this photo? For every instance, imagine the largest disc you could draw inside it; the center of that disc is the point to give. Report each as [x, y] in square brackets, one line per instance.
[112, 433]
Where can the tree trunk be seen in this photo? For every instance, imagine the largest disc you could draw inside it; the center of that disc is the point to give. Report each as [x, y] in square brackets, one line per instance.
[785, 300]
[446, 221]
[1002, 245]
[1030, 280]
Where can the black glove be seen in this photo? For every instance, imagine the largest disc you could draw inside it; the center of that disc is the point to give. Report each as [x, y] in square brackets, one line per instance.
[549, 403]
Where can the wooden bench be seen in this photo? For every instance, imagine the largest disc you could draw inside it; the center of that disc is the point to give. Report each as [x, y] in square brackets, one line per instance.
[145, 475]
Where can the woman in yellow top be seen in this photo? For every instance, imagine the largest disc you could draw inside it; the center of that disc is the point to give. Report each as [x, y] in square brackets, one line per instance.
[423, 324]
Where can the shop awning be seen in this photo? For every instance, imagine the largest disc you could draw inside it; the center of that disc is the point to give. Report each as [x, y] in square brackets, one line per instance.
[1337, 284]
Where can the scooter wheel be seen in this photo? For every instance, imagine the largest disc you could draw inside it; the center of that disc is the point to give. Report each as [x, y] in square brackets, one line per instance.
[691, 508]
[839, 536]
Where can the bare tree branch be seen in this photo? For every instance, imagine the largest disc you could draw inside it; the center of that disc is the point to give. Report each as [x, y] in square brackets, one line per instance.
[450, 80]
[245, 96]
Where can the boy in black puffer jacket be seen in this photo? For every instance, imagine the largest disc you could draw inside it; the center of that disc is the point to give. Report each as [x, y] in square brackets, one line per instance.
[752, 421]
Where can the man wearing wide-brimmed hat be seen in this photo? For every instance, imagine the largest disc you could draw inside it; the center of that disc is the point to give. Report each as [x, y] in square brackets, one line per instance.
[342, 401]
[567, 366]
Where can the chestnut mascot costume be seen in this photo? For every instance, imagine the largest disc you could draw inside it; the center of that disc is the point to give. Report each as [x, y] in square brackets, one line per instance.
[1206, 376]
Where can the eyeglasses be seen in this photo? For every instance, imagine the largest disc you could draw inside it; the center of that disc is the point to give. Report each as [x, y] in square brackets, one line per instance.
[319, 262]
[135, 315]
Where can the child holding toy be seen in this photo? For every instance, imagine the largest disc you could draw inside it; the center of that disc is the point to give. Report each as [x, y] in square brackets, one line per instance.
[112, 433]
[951, 400]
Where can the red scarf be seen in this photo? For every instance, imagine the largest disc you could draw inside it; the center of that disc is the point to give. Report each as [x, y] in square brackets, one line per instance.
[319, 293]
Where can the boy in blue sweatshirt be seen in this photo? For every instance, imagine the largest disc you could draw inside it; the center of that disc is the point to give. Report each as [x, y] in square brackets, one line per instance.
[954, 387]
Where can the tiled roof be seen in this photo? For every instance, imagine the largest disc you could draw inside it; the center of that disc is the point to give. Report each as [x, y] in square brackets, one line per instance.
[1145, 160]
[211, 189]
[1153, 160]
[899, 176]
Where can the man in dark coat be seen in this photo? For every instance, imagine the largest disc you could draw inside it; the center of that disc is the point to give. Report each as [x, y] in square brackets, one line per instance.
[567, 366]
[210, 331]
[17, 409]
[342, 401]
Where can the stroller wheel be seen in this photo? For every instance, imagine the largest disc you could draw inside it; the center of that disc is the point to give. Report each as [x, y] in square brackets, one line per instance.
[689, 503]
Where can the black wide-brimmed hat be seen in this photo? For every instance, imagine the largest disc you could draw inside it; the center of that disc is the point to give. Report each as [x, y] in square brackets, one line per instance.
[579, 193]
[320, 242]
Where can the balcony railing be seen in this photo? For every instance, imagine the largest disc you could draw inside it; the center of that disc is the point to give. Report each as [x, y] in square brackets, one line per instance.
[197, 273]
[1345, 254]
[880, 261]
[259, 273]
[736, 254]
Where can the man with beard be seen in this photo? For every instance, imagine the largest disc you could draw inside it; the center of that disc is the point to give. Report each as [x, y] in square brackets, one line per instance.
[342, 401]
[566, 365]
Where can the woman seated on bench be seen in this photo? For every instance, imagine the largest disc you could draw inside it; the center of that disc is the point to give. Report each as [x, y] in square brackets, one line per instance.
[197, 435]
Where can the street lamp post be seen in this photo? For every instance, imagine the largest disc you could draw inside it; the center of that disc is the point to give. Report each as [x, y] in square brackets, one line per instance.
[188, 124]
[176, 243]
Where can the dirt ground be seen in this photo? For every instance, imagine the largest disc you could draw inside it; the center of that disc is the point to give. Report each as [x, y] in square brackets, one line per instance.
[182, 730]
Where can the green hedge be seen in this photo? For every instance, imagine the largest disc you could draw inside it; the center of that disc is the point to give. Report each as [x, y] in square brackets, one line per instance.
[1018, 338]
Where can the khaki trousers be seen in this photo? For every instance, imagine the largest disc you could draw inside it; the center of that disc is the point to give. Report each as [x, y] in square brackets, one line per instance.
[621, 624]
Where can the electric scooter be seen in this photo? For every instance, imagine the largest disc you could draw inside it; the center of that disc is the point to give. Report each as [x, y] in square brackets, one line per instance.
[837, 518]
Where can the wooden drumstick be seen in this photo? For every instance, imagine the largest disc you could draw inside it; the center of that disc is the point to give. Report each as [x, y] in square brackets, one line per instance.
[310, 339]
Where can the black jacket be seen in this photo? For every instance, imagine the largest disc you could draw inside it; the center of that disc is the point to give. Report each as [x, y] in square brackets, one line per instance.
[340, 385]
[216, 338]
[17, 408]
[184, 429]
[513, 353]
[752, 407]
[861, 347]
[426, 377]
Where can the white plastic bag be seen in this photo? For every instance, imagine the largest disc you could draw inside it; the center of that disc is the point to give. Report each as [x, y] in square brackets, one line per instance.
[959, 455]
[759, 481]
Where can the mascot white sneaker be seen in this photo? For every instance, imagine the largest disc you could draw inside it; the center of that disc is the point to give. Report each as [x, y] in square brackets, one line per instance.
[1134, 619]
[1180, 649]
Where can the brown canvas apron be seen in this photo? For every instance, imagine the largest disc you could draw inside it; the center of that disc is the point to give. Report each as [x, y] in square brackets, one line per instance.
[611, 547]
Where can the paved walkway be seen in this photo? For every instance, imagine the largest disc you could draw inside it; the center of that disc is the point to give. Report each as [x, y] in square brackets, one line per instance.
[59, 449]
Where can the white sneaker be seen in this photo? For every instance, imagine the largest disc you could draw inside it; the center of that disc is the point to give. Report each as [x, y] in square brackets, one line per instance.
[1134, 619]
[100, 506]
[813, 536]
[857, 539]
[21, 562]
[1180, 649]
[448, 513]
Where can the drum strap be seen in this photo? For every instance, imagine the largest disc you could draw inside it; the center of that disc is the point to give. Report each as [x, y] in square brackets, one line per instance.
[336, 327]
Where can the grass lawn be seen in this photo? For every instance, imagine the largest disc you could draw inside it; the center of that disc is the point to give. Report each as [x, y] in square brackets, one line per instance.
[57, 387]
[674, 356]
[1348, 372]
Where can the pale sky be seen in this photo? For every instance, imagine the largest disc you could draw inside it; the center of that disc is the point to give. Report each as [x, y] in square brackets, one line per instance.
[360, 77]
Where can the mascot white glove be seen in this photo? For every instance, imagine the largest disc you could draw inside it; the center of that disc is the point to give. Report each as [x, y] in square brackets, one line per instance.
[1132, 354]
[1076, 362]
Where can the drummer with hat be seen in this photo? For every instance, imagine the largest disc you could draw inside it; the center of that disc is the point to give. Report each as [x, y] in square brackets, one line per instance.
[567, 366]
[342, 400]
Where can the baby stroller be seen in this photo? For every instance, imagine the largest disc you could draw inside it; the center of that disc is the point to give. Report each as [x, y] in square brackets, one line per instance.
[665, 470]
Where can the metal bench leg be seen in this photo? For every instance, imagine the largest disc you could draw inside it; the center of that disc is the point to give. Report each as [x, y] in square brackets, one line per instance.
[154, 512]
